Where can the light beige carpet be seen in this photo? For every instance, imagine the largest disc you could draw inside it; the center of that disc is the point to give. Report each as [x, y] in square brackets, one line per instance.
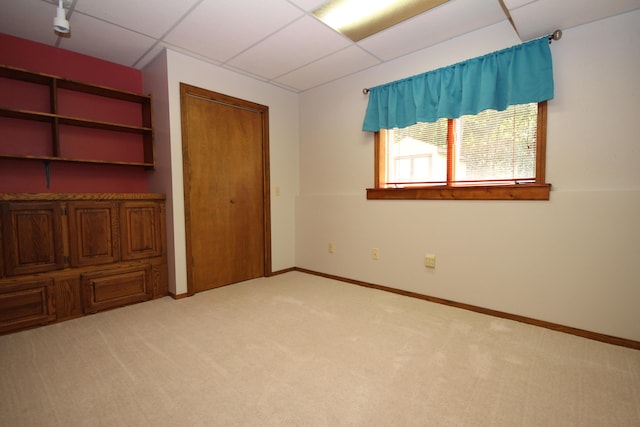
[301, 350]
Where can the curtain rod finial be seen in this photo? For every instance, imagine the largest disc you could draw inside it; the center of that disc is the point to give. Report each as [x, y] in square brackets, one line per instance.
[555, 36]
[365, 91]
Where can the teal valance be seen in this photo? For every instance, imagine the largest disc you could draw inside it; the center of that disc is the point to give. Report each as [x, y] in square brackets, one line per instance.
[517, 75]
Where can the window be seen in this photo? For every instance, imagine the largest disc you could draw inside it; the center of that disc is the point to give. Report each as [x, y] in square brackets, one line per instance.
[497, 155]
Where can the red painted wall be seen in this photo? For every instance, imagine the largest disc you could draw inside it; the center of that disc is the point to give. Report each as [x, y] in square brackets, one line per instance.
[16, 136]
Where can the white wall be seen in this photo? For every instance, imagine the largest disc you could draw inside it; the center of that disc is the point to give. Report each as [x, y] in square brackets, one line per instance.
[160, 179]
[572, 260]
[163, 77]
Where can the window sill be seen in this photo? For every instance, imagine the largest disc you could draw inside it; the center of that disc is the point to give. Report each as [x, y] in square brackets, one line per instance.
[486, 192]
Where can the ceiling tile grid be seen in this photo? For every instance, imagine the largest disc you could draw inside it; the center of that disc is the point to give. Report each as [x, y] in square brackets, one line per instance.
[277, 41]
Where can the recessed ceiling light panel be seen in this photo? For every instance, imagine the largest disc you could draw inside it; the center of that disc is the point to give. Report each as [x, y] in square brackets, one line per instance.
[358, 19]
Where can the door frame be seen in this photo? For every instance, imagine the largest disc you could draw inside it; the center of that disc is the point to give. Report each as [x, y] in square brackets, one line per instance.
[187, 90]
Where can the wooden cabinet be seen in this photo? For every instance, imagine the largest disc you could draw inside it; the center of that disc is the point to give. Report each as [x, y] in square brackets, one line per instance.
[50, 118]
[65, 255]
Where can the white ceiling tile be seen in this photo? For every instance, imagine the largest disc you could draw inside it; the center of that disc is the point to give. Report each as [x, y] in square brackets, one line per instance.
[309, 5]
[144, 60]
[158, 48]
[332, 67]
[304, 41]
[220, 29]
[28, 19]
[99, 39]
[545, 16]
[452, 19]
[150, 17]
[512, 4]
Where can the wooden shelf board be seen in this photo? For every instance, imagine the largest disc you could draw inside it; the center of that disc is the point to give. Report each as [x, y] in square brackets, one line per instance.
[65, 120]
[68, 160]
[26, 115]
[62, 83]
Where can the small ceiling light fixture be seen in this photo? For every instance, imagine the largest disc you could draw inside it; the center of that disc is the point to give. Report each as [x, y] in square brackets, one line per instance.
[358, 19]
[60, 22]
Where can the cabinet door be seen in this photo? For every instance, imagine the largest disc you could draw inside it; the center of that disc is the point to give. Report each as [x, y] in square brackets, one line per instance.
[26, 304]
[32, 238]
[1, 248]
[93, 233]
[116, 287]
[141, 227]
[67, 295]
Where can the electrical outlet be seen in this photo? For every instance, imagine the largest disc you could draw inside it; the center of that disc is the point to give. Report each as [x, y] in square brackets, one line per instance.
[375, 254]
[330, 248]
[430, 261]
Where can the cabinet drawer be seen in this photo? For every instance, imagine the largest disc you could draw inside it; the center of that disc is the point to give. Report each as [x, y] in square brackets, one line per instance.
[116, 287]
[26, 304]
[32, 238]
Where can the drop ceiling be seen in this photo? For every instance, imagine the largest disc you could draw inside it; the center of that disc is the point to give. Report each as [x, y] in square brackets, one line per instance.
[277, 41]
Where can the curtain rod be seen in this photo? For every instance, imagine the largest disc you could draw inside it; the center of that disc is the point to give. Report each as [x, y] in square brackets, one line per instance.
[555, 36]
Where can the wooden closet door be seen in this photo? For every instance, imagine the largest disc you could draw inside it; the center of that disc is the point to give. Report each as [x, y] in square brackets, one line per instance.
[225, 149]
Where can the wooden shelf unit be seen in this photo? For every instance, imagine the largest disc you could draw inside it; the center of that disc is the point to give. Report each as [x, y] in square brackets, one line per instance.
[56, 119]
